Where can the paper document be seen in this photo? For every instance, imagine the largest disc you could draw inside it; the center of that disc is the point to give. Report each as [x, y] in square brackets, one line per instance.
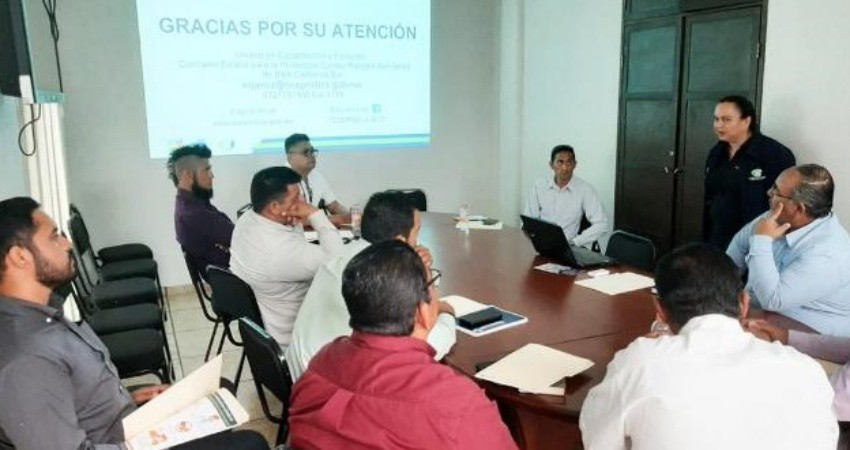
[617, 283]
[190, 409]
[535, 368]
[314, 235]
[477, 225]
[464, 306]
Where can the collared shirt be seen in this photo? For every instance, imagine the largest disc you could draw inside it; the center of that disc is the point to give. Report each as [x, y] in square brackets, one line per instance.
[834, 349]
[804, 274]
[324, 317]
[566, 206]
[202, 230]
[736, 189]
[279, 264]
[712, 386]
[316, 188]
[58, 387]
[386, 392]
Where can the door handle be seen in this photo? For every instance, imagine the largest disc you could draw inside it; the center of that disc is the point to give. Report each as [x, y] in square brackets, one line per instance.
[674, 171]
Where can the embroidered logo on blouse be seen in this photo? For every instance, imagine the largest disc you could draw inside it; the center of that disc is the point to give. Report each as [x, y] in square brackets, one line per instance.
[756, 175]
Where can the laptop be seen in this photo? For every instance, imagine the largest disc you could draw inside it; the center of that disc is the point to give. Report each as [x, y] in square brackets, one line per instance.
[549, 240]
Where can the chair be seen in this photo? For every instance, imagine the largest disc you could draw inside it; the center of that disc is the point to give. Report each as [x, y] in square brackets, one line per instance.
[113, 294]
[116, 320]
[232, 299]
[631, 249]
[138, 352]
[415, 196]
[114, 253]
[118, 270]
[204, 297]
[270, 371]
[242, 210]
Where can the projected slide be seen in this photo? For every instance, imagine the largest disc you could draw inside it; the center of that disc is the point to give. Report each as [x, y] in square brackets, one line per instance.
[242, 75]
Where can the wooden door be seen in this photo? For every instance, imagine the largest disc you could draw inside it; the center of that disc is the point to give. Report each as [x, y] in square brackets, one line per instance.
[648, 128]
[721, 57]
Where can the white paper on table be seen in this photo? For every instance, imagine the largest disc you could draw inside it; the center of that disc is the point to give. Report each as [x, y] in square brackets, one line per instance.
[535, 368]
[476, 225]
[463, 305]
[617, 283]
[314, 235]
[203, 381]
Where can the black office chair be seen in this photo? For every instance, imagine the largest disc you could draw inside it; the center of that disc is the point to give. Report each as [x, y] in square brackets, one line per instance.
[118, 270]
[416, 197]
[583, 225]
[116, 320]
[270, 371]
[204, 297]
[122, 252]
[138, 352]
[113, 294]
[243, 209]
[631, 249]
[232, 299]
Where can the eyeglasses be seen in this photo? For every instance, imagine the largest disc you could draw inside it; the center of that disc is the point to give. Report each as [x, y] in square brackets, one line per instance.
[436, 274]
[774, 192]
[308, 152]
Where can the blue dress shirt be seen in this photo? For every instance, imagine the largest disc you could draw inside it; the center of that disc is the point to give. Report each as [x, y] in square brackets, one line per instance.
[804, 275]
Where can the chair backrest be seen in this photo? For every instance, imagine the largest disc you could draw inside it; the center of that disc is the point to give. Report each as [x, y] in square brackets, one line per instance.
[631, 249]
[198, 283]
[232, 298]
[416, 197]
[266, 361]
[243, 209]
[87, 264]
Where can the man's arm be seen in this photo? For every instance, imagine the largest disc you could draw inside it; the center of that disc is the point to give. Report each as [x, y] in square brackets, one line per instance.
[302, 260]
[38, 409]
[602, 420]
[482, 428]
[444, 334]
[211, 226]
[532, 205]
[740, 246]
[831, 348]
[595, 213]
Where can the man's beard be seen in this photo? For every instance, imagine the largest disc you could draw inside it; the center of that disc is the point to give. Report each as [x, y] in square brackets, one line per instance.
[201, 192]
[49, 276]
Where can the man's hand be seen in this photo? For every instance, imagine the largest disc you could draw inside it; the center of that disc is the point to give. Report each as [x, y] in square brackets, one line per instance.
[425, 254]
[299, 211]
[769, 225]
[339, 220]
[145, 394]
[767, 331]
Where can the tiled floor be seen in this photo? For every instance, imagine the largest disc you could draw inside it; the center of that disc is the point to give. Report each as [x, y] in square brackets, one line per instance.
[188, 334]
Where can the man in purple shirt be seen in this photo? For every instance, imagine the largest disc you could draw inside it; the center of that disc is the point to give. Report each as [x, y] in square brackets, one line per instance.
[202, 230]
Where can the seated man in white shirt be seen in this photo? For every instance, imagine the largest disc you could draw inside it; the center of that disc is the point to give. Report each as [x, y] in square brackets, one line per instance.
[324, 316]
[564, 199]
[710, 384]
[301, 157]
[269, 251]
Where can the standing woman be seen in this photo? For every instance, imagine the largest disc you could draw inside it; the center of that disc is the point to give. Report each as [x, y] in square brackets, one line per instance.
[739, 170]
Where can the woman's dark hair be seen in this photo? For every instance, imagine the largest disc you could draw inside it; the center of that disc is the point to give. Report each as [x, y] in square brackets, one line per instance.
[745, 107]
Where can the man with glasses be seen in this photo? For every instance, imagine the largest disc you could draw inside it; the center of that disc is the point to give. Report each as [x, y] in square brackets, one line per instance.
[301, 157]
[380, 388]
[797, 255]
[564, 199]
[323, 316]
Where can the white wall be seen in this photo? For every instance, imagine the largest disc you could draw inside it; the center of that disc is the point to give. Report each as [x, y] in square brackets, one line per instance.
[126, 196]
[13, 180]
[806, 100]
[571, 88]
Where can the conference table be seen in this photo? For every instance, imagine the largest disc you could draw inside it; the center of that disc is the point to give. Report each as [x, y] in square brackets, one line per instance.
[497, 267]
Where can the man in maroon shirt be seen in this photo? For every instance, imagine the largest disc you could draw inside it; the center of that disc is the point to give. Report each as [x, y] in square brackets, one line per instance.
[380, 388]
[202, 230]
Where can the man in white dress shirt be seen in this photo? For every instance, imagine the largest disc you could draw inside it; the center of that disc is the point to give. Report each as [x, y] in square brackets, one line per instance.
[324, 315]
[301, 157]
[270, 253]
[564, 199]
[707, 383]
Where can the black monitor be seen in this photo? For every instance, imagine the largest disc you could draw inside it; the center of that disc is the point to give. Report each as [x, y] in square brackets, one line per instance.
[28, 63]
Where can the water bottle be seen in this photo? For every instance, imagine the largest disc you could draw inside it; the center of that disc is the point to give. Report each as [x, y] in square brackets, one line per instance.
[356, 215]
[463, 214]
